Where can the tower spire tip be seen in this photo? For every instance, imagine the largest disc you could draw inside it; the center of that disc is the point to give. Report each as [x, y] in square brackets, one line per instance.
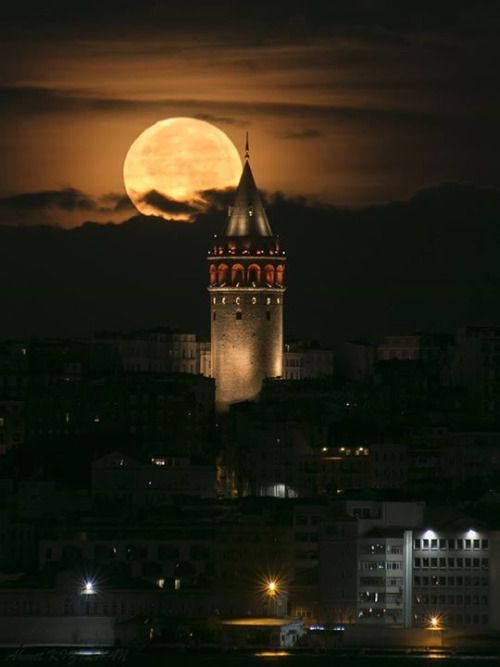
[247, 149]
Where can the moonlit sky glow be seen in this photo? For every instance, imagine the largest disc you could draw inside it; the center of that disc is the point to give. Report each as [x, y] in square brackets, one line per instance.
[353, 103]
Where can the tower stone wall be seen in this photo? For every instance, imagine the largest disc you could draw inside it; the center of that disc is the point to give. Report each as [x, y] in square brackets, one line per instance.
[247, 341]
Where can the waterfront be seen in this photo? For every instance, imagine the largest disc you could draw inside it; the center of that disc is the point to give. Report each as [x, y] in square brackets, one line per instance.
[186, 658]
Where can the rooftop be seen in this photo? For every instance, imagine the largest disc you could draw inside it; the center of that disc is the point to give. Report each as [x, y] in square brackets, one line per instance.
[247, 216]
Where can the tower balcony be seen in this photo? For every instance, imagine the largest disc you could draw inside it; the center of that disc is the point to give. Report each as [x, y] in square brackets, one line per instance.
[246, 247]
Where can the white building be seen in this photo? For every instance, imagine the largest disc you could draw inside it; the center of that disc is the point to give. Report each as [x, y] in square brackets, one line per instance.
[455, 578]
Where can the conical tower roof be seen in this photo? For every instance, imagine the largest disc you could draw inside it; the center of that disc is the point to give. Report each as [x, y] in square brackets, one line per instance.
[247, 216]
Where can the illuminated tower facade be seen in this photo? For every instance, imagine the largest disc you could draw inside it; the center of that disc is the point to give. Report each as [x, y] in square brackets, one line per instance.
[246, 269]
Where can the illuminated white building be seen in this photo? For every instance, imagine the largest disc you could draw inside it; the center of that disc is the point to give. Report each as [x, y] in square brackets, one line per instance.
[455, 578]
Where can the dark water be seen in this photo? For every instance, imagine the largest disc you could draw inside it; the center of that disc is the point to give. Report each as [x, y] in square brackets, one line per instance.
[259, 658]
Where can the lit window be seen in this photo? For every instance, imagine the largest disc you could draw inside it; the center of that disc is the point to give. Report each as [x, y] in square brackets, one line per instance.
[238, 300]
[268, 301]
[160, 583]
[278, 301]
[223, 299]
[254, 300]
[158, 462]
[177, 584]
[214, 300]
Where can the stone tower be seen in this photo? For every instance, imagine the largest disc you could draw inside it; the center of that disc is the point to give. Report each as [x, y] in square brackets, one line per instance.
[246, 267]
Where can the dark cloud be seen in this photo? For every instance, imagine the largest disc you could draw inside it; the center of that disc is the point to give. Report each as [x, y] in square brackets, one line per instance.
[31, 208]
[225, 120]
[169, 206]
[309, 133]
[430, 262]
[217, 200]
[114, 202]
[45, 100]
[213, 200]
[67, 199]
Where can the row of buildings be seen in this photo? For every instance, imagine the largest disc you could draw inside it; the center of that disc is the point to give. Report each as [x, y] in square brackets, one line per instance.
[345, 561]
[462, 372]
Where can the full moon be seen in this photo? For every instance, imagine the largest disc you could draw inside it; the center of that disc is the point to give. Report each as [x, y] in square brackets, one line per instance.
[172, 163]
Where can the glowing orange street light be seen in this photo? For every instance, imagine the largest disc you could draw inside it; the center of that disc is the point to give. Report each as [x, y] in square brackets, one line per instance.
[435, 623]
[272, 588]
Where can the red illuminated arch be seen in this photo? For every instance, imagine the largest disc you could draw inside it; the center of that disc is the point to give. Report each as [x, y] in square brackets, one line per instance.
[280, 270]
[237, 274]
[213, 274]
[222, 270]
[269, 274]
[253, 274]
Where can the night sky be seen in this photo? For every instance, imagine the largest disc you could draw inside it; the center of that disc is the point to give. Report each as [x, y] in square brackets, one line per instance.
[374, 131]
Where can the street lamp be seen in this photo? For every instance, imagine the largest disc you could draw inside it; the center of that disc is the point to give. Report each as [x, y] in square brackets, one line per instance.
[272, 591]
[272, 588]
[87, 590]
[435, 623]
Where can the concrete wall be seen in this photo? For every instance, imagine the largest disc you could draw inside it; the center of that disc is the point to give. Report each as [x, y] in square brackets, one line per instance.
[57, 630]
[386, 636]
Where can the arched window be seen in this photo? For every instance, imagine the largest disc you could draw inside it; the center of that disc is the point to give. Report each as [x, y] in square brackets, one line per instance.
[254, 274]
[280, 270]
[269, 274]
[222, 273]
[237, 274]
[213, 274]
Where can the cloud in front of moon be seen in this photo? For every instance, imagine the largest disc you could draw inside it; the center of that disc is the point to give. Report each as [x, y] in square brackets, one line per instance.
[172, 163]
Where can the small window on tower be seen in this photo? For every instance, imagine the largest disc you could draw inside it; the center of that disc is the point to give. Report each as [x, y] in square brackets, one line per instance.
[238, 315]
[214, 316]
[268, 314]
[238, 300]
[254, 300]
[214, 300]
